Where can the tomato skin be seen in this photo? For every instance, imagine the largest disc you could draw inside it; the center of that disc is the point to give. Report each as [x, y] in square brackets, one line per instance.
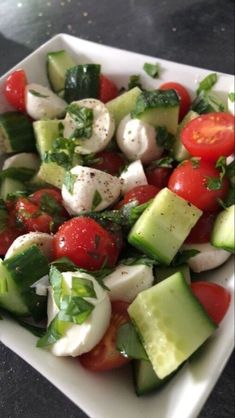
[190, 182]
[108, 89]
[55, 194]
[201, 232]
[14, 89]
[158, 176]
[31, 217]
[86, 243]
[214, 298]
[104, 356]
[183, 94]
[140, 193]
[210, 136]
[7, 236]
[110, 162]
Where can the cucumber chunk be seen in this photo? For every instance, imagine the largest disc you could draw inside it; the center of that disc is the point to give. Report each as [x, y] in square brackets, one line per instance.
[58, 62]
[158, 108]
[179, 151]
[82, 82]
[9, 186]
[171, 323]
[223, 230]
[16, 133]
[46, 131]
[20, 273]
[50, 173]
[124, 104]
[145, 378]
[207, 102]
[162, 272]
[163, 226]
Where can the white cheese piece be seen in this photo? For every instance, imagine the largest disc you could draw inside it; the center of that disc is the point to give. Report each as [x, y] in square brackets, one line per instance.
[127, 281]
[133, 176]
[102, 128]
[92, 190]
[208, 258]
[231, 103]
[23, 159]
[137, 140]
[79, 339]
[42, 103]
[41, 239]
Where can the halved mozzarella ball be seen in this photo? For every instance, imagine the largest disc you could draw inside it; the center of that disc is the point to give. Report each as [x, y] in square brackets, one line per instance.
[79, 339]
[91, 190]
[133, 176]
[102, 128]
[137, 140]
[208, 258]
[127, 281]
[41, 239]
[23, 159]
[42, 103]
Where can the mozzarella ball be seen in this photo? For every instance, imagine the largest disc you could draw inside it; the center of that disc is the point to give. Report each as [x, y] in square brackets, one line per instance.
[42, 103]
[133, 176]
[42, 240]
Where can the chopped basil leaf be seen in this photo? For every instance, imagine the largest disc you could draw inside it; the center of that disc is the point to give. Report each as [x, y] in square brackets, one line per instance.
[83, 287]
[229, 200]
[84, 120]
[64, 264]
[206, 103]
[54, 333]
[129, 343]
[207, 83]
[152, 70]
[133, 261]
[97, 199]
[17, 173]
[213, 183]
[61, 129]
[231, 96]
[134, 81]
[221, 166]
[60, 158]
[37, 94]
[183, 256]
[162, 162]
[164, 138]
[74, 309]
[56, 281]
[50, 205]
[195, 162]
[69, 180]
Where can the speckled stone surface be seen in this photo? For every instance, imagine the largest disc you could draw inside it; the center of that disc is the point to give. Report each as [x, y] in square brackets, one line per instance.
[193, 32]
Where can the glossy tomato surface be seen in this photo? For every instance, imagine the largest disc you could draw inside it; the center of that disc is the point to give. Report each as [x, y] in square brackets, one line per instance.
[141, 194]
[31, 217]
[158, 176]
[201, 232]
[183, 94]
[110, 162]
[104, 356]
[14, 89]
[108, 89]
[210, 136]
[86, 243]
[195, 182]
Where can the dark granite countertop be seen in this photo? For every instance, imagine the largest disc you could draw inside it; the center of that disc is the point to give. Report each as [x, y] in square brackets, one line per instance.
[193, 32]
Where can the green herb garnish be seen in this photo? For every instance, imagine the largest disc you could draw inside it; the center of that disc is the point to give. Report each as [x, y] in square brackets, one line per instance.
[84, 120]
[134, 81]
[97, 199]
[152, 70]
[69, 180]
[231, 96]
[164, 138]
[37, 94]
[207, 83]
[183, 256]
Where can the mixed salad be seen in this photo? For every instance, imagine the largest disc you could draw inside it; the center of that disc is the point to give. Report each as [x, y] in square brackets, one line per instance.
[112, 201]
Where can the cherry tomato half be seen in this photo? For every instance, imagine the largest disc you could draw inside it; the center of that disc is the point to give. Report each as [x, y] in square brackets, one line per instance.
[210, 136]
[104, 356]
[86, 243]
[108, 89]
[158, 176]
[14, 89]
[213, 297]
[49, 201]
[140, 193]
[183, 94]
[201, 232]
[190, 181]
[31, 217]
[110, 162]
[7, 236]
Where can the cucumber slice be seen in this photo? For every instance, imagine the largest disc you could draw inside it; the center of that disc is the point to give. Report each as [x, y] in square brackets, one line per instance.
[9, 186]
[223, 230]
[161, 273]
[171, 323]
[145, 378]
[58, 62]
[16, 133]
[46, 131]
[20, 273]
[82, 82]
[179, 151]
[207, 102]
[124, 104]
[163, 226]
[158, 108]
[50, 173]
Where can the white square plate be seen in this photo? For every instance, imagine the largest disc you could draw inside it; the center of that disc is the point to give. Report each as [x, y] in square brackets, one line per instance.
[111, 394]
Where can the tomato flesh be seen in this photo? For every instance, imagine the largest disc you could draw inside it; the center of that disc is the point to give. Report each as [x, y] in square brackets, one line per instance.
[201, 232]
[214, 298]
[210, 136]
[183, 94]
[31, 217]
[86, 243]
[110, 162]
[14, 89]
[108, 89]
[141, 194]
[190, 181]
[104, 356]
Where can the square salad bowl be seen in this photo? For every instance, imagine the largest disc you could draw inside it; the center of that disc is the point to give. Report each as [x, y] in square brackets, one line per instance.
[111, 394]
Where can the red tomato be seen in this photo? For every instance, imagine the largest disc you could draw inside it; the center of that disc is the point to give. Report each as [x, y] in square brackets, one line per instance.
[50, 201]
[108, 89]
[104, 356]
[210, 136]
[190, 181]
[7, 236]
[201, 232]
[14, 89]
[36, 197]
[158, 176]
[183, 94]
[30, 215]
[110, 162]
[214, 298]
[140, 193]
[86, 243]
